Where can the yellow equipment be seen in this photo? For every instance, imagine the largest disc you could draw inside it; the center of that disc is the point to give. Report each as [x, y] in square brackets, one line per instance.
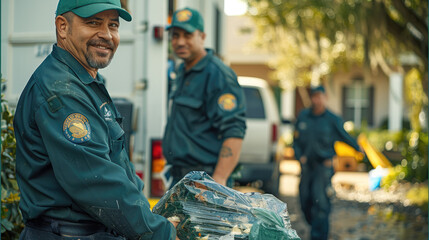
[342, 149]
[375, 157]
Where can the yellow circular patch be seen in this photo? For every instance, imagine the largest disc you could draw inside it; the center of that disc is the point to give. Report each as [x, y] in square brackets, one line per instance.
[183, 15]
[76, 128]
[227, 102]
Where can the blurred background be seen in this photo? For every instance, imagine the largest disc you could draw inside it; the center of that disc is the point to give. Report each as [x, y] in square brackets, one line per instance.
[371, 56]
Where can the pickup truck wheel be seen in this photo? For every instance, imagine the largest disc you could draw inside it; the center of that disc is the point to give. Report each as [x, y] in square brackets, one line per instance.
[272, 186]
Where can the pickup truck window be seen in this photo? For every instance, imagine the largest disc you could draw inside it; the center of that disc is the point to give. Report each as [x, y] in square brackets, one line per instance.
[255, 106]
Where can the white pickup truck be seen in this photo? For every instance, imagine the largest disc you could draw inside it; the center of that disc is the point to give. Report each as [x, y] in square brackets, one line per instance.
[259, 158]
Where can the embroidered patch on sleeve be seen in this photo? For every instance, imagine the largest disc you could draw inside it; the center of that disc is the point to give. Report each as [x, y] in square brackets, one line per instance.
[76, 128]
[227, 102]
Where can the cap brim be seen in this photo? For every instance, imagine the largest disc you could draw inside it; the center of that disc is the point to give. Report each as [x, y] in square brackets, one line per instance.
[92, 9]
[315, 92]
[187, 27]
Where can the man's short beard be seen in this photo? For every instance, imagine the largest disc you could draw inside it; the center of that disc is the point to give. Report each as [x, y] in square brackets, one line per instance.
[90, 59]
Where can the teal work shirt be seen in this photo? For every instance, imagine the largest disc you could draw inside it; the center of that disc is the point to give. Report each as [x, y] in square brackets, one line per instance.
[315, 135]
[208, 106]
[71, 163]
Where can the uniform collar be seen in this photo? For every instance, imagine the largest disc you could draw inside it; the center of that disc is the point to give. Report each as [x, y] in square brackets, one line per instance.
[317, 115]
[65, 57]
[203, 62]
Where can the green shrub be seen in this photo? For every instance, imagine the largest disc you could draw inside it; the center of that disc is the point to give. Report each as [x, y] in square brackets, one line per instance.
[11, 218]
[413, 147]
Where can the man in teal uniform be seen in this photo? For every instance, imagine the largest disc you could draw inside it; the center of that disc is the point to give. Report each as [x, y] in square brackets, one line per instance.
[206, 124]
[75, 176]
[316, 131]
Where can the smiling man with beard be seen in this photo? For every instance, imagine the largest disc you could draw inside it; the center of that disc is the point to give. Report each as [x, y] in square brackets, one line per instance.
[75, 177]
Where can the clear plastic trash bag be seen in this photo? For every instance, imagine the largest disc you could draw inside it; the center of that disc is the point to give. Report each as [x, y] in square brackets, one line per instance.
[208, 210]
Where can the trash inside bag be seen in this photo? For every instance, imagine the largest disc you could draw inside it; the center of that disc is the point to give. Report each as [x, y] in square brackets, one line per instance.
[208, 210]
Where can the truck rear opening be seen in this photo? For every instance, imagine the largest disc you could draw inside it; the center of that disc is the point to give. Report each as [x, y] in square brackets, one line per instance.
[158, 163]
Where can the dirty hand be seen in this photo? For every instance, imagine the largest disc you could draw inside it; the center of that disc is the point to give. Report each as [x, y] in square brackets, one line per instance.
[327, 162]
[303, 159]
[175, 221]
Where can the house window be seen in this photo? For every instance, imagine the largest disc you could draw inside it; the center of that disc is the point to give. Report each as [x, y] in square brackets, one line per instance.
[254, 104]
[358, 103]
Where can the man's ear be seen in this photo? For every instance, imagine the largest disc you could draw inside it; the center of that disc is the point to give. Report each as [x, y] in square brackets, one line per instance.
[203, 35]
[62, 26]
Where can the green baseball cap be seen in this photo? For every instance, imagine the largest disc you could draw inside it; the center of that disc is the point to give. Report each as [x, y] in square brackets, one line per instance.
[317, 89]
[87, 8]
[187, 19]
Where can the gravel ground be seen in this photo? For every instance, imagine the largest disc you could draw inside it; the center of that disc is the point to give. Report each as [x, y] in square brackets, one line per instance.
[358, 214]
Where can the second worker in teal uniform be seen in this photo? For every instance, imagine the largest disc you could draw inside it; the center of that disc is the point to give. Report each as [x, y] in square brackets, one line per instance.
[75, 177]
[206, 124]
[316, 131]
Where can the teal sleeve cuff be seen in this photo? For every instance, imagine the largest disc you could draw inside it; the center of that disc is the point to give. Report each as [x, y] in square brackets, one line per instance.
[165, 230]
[234, 133]
[173, 232]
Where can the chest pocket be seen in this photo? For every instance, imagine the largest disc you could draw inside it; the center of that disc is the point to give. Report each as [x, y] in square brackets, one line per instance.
[324, 133]
[323, 139]
[191, 108]
[189, 102]
[118, 153]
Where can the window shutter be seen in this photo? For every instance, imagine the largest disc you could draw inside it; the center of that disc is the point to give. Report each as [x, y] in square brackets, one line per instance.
[343, 102]
[371, 107]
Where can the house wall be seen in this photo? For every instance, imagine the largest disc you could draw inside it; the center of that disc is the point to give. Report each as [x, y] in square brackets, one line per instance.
[377, 79]
[258, 70]
[238, 46]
